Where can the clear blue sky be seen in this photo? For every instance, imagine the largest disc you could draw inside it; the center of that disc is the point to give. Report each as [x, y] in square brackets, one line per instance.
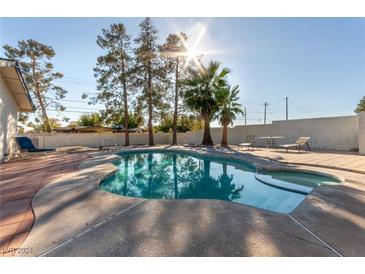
[319, 63]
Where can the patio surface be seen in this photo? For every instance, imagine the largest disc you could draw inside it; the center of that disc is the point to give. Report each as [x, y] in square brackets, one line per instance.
[81, 220]
[19, 181]
[348, 161]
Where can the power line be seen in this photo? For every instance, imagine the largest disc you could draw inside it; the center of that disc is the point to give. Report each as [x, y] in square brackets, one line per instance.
[75, 83]
[71, 111]
[266, 104]
[311, 108]
[245, 116]
[77, 79]
[84, 108]
[286, 106]
[277, 102]
[76, 101]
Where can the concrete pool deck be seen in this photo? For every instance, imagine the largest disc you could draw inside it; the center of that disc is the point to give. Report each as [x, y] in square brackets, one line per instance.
[19, 182]
[80, 219]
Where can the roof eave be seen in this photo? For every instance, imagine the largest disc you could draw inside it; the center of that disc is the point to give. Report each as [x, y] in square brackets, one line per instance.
[15, 65]
[25, 89]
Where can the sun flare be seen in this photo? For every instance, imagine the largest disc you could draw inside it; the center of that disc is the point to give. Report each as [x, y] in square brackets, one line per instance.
[193, 51]
[193, 47]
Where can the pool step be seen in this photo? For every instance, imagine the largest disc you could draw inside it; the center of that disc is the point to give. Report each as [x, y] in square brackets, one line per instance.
[268, 180]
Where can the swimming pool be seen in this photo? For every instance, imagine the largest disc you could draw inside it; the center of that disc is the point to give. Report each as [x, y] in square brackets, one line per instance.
[177, 175]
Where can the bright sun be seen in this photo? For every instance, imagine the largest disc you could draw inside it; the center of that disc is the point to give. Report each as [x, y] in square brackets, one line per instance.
[192, 46]
[192, 53]
[193, 50]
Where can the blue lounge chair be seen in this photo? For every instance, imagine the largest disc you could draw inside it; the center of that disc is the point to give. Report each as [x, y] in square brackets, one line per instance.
[26, 146]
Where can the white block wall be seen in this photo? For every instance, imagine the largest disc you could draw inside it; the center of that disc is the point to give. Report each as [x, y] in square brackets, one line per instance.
[336, 133]
[362, 133]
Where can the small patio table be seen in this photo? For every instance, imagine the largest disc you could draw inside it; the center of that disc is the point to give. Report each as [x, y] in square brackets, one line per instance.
[271, 140]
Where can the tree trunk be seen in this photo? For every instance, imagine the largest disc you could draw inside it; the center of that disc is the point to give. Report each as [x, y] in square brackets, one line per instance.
[149, 180]
[224, 135]
[126, 114]
[44, 113]
[207, 138]
[174, 121]
[40, 99]
[174, 168]
[206, 168]
[126, 120]
[126, 168]
[149, 91]
[225, 170]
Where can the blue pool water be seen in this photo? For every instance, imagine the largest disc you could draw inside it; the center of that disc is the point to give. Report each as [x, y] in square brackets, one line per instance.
[172, 175]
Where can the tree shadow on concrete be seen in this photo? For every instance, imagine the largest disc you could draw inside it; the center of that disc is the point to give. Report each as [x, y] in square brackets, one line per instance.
[196, 228]
[336, 214]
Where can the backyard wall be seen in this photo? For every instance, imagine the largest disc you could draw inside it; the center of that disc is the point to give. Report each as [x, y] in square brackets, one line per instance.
[339, 133]
[50, 140]
[362, 133]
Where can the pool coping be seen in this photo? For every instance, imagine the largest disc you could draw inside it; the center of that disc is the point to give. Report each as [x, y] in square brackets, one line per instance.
[272, 166]
[105, 170]
[215, 155]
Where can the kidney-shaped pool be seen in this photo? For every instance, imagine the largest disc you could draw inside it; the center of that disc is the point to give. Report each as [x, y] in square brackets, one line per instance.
[181, 175]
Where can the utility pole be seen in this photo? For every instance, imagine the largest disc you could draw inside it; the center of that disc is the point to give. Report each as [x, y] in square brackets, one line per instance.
[286, 104]
[245, 116]
[266, 104]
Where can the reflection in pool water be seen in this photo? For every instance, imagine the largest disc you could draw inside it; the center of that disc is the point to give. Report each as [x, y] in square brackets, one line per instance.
[170, 175]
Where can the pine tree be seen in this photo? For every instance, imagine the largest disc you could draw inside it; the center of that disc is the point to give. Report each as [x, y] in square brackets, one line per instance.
[114, 73]
[151, 72]
[34, 61]
[361, 105]
[175, 52]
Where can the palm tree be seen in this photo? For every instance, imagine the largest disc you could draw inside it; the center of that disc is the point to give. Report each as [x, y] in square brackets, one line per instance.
[200, 94]
[228, 107]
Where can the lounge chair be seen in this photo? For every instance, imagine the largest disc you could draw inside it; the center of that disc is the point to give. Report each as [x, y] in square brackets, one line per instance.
[26, 146]
[302, 141]
[250, 141]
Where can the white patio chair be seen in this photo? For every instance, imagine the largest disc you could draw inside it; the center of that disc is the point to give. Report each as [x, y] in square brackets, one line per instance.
[302, 141]
[249, 141]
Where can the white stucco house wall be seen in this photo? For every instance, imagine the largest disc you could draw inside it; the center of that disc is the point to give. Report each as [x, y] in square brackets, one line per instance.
[14, 97]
